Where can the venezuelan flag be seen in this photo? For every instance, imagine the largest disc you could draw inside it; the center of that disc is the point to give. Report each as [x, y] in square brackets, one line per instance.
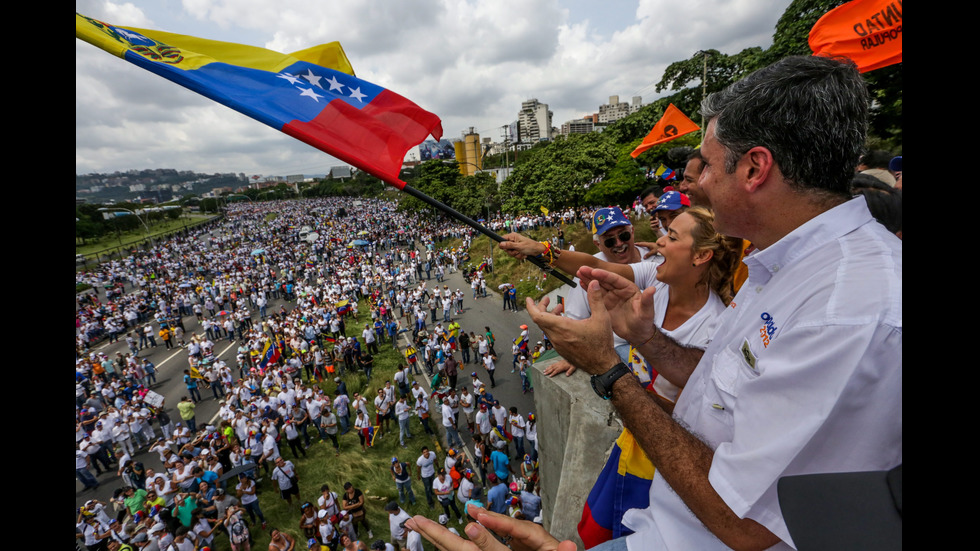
[623, 484]
[311, 95]
[521, 342]
[270, 354]
[370, 433]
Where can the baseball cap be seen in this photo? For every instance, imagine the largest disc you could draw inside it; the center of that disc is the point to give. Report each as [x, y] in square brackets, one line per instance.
[608, 218]
[672, 200]
[895, 165]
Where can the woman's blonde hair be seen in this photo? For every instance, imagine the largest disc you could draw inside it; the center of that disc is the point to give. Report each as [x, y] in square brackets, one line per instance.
[726, 253]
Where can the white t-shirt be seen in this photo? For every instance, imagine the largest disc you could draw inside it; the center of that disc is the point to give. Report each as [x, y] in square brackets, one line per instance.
[426, 465]
[577, 301]
[445, 486]
[696, 331]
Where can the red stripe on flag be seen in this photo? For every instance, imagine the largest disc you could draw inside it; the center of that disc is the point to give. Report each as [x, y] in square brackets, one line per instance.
[375, 137]
[590, 531]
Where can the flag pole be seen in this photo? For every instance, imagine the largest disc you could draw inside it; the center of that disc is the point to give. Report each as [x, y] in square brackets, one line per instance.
[475, 225]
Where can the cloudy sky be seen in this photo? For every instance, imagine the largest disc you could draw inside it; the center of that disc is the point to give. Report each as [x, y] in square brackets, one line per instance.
[471, 62]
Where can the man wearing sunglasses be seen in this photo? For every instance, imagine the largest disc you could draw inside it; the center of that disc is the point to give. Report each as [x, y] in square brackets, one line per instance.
[612, 233]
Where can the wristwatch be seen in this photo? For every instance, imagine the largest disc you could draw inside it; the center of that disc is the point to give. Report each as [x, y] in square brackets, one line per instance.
[602, 384]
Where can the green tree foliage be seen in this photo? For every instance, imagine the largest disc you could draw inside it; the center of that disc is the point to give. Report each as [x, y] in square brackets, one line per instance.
[620, 184]
[556, 173]
[793, 28]
[722, 70]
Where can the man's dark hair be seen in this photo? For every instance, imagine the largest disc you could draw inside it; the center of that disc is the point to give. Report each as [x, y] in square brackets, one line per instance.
[876, 159]
[655, 190]
[811, 112]
[696, 154]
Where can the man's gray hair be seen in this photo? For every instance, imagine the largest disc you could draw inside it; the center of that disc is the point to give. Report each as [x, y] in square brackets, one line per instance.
[810, 112]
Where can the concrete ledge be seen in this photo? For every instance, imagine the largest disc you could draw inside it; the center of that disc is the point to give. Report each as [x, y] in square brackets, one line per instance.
[576, 431]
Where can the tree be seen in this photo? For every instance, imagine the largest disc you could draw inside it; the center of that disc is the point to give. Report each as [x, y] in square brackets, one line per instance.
[438, 180]
[559, 173]
[721, 70]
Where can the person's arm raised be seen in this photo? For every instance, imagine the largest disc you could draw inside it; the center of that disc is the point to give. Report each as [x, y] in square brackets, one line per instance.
[519, 246]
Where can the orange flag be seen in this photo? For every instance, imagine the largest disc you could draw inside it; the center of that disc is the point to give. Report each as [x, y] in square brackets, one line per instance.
[673, 124]
[868, 32]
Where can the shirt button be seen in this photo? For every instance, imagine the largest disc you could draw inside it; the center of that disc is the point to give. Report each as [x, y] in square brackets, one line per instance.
[758, 289]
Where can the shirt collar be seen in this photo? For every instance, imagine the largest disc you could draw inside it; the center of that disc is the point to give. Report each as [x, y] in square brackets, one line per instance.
[817, 232]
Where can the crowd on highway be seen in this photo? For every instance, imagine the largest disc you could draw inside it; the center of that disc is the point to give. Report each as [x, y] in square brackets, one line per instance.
[323, 262]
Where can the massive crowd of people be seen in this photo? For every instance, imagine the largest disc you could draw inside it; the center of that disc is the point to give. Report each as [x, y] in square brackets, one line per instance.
[325, 270]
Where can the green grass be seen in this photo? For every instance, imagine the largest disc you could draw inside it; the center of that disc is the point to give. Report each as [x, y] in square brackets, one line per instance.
[129, 238]
[366, 470]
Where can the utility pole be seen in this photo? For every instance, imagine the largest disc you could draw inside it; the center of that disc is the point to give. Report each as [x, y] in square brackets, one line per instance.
[704, 89]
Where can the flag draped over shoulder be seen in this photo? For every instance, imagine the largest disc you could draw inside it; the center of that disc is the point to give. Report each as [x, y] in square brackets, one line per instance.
[868, 32]
[311, 95]
[623, 484]
[673, 124]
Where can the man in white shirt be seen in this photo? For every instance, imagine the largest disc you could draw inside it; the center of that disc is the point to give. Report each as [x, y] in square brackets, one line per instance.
[427, 473]
[807, 371]
[806, 364]
[396, 523]
[517, 424]
[403, 411]
[449, 425]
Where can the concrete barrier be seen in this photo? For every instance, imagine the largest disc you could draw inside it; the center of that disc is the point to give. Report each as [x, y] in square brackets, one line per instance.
[576, 431]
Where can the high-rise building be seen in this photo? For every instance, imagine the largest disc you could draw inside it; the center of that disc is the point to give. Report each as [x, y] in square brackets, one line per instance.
[534, 122]
[615, 109]
[578, 126]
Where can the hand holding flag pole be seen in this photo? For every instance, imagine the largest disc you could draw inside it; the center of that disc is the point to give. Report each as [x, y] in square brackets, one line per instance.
[311, 95]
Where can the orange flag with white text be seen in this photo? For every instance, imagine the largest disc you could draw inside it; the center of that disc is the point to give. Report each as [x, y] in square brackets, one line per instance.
[673, 124]
[868, 32]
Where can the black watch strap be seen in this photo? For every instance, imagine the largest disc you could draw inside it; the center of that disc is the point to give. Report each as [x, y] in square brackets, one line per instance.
[602, 384]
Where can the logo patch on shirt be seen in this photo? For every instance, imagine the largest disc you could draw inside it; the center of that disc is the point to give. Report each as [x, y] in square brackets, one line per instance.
[768, 329]
[747, 354]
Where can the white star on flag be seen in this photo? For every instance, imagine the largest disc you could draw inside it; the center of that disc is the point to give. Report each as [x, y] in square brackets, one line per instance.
[291, 78]
[310, 93]
[356, 94]
[334, 84]
[314, 79]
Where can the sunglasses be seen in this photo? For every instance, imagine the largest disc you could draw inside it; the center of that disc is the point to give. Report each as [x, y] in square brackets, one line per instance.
[623, 237]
